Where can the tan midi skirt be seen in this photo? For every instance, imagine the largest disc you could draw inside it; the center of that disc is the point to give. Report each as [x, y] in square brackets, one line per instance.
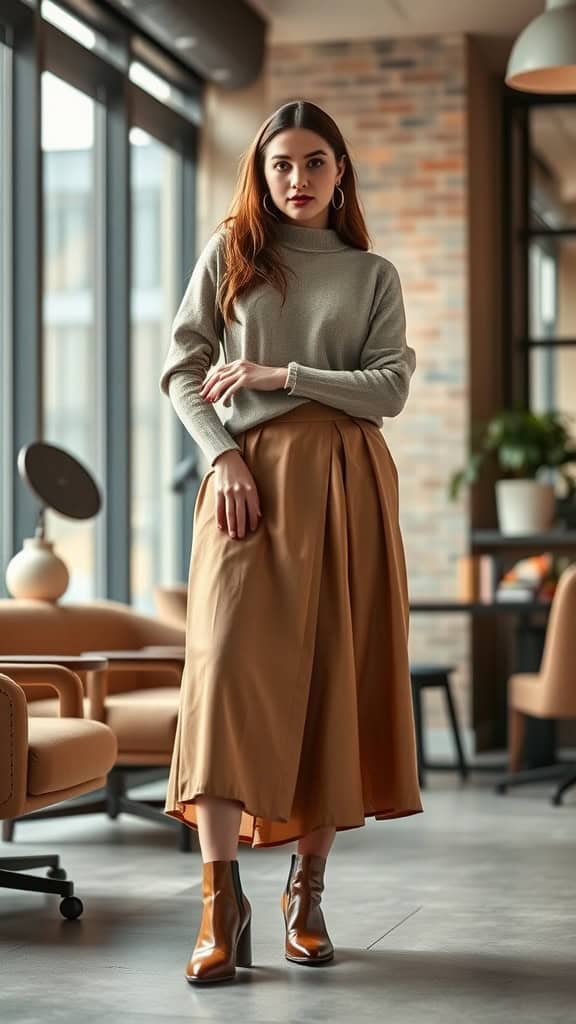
[296, 697]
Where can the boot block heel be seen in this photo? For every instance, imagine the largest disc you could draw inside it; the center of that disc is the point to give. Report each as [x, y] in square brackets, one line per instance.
[244, 947]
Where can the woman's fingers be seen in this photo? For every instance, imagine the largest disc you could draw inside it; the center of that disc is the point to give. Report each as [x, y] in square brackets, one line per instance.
[237, 500]
[240, 513]
[231, 512]
[217, 381]
[221, 511]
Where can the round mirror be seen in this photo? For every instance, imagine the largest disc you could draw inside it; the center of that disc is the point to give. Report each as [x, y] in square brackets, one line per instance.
[60, 481]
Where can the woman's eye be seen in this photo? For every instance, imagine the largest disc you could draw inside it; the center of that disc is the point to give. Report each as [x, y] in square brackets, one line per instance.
[280, 166]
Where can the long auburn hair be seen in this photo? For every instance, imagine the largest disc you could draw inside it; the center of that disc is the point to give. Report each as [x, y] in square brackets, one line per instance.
[250, 231]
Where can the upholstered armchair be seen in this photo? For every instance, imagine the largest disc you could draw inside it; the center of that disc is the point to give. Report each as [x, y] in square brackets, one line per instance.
[549, 693]
[44, 761]
[140, 705]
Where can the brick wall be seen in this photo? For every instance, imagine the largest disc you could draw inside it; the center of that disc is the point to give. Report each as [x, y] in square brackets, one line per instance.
[401, 106]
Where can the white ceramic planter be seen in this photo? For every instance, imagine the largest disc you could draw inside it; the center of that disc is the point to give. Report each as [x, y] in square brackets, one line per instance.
[524, 506]
[36, 571]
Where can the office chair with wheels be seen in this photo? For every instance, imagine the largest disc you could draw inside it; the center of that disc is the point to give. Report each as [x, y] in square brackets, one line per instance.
[550, 693]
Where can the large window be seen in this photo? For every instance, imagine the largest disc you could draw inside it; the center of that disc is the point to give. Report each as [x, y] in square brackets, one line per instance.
[98, 137]
[156, 177]
[541, 322]
[552, 258]
[71, 378]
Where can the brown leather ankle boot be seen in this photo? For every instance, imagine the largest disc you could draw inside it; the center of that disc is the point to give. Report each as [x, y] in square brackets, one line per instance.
[307, 941]
[224, 940]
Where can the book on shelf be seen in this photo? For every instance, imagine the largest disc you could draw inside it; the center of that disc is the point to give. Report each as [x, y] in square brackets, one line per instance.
[529, 579]
[477, 578]
[516, 594]
[487, 578]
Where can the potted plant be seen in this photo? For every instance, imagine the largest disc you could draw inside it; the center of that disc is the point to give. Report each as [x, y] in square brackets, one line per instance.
[531, 450]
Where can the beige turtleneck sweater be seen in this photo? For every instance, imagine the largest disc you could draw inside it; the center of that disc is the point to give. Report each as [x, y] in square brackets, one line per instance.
[340, 335]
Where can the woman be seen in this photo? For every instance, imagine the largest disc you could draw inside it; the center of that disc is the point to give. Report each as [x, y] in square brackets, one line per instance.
[295, 716]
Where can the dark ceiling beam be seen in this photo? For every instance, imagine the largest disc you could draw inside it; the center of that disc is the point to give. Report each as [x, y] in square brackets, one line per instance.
[223, 42]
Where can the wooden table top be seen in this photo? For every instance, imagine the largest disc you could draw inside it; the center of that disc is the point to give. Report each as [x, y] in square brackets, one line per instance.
[175, 650]
[144, 654]
[75, 662]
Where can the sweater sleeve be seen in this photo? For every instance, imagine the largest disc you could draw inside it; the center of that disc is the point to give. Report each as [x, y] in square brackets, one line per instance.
[380, 386]
[194, 347]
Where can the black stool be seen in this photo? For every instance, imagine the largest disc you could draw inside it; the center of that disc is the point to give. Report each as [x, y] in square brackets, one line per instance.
[424, 677]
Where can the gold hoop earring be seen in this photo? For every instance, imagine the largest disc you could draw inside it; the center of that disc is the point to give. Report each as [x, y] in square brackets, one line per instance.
[342, 199]
[271, 212]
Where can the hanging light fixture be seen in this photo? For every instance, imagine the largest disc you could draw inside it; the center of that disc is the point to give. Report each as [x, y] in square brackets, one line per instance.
[543, 58]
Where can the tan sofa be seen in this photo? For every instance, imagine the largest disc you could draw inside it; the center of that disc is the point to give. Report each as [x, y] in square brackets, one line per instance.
[139, 706]
[44, 761]
[170, 601]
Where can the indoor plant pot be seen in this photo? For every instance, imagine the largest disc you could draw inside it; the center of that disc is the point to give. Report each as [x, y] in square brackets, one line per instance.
[526, 446]
[524, 506]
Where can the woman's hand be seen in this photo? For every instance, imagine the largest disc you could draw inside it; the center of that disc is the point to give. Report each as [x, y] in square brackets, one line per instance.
[241, 373]
[236, 494]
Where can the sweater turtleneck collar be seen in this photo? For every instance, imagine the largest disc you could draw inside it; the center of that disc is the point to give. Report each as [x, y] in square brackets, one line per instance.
[309, 239]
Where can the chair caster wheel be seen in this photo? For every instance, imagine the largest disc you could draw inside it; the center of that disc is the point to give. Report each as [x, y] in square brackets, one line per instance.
[71, 907]
[56, 873]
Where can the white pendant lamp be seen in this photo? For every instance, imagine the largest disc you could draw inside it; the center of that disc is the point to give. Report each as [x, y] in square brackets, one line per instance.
[543, 58]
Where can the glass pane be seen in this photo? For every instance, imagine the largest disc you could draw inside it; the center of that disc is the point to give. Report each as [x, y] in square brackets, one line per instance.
[552, 287]
[553, 166]
[553, 386]
[553, 380]
[163, 90]
[71, 395]
[154, 514]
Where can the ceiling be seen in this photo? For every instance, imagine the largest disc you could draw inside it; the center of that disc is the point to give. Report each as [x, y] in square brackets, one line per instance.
[322, 20]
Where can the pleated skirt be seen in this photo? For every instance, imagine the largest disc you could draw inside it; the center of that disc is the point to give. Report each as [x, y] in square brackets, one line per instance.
[296, 697]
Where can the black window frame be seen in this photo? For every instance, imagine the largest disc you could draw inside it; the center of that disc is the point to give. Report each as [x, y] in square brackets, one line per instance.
[518, 233]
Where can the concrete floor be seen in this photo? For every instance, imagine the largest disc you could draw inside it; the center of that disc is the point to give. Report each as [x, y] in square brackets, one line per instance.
[465, 912]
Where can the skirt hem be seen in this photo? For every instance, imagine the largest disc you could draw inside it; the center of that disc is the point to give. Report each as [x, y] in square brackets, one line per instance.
[378, 815]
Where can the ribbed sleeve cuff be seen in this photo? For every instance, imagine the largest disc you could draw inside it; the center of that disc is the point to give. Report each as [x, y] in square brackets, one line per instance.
[212, 451]
[291, 378]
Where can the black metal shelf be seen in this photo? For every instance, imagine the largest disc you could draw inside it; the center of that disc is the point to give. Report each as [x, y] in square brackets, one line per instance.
[495, 607]
[492, 540]
[568, 232]
[545, 342]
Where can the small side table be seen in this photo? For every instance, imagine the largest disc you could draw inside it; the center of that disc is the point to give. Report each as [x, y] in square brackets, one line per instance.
[141, 659]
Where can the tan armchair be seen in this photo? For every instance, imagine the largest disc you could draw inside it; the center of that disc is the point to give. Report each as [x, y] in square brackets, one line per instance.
[170, 601]
[140, 705]
[46, 761]
[549, 693]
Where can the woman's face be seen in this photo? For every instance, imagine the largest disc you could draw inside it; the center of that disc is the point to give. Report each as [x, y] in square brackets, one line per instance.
[300, 162]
